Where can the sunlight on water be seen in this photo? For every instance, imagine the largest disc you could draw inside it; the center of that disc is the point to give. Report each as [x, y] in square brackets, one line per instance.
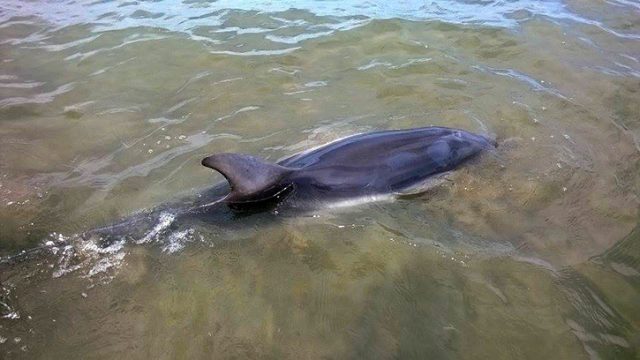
[107, 108]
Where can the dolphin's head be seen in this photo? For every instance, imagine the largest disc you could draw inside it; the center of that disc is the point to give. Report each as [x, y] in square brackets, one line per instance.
[470, 144]
[457, 147]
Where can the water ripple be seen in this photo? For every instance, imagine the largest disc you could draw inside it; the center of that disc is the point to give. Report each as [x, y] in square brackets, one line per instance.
[537, 85]
[41, 98]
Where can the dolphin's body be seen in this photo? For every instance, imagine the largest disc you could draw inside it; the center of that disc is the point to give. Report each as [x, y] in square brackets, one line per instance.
[383, 163]
[370, 166]
[366, 165]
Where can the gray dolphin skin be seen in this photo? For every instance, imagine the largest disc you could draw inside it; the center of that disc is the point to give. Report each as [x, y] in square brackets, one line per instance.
[364, 165]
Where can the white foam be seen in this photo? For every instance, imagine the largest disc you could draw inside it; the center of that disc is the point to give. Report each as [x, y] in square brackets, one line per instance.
[87, 255]
[105, 264]
[65, 261]
[92, 247]
[12, 315]
[91, 259]
[176, 241]
[164, 221]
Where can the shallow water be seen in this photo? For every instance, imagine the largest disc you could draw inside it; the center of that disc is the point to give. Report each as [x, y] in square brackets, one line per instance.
[107, 107]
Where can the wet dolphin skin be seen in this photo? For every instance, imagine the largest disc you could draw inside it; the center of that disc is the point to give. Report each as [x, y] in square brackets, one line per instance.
[369, 164]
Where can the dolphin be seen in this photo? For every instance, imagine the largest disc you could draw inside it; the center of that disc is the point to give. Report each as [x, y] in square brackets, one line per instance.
[369, 166]
[364, 166]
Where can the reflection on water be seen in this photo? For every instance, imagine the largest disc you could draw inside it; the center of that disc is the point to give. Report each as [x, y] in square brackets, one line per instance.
[107, 107]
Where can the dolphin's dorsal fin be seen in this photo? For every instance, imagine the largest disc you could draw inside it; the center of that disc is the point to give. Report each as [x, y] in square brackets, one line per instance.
[248, 176]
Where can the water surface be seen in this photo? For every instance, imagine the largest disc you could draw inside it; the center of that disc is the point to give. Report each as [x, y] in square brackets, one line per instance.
[107, 107]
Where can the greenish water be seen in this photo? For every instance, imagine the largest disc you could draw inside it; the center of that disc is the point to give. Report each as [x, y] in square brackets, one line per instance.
[106, 109]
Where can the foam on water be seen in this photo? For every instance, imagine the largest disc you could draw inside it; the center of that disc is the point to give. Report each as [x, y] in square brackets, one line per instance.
[93, 260]
[86, 255]
[164, 221]
[176, 241]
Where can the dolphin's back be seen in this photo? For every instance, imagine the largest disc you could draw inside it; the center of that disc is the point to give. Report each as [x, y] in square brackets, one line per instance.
[356, 149]
[385, 161]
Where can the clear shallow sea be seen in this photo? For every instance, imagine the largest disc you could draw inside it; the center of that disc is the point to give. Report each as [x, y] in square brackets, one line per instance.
[107, 107]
